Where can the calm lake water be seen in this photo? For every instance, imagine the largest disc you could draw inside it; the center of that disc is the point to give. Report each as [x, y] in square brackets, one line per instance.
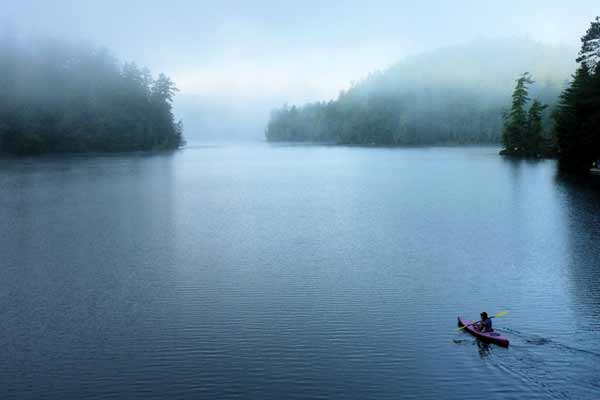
[281, 272]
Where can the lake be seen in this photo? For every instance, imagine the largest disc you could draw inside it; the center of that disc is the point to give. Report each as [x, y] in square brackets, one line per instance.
[282, 272]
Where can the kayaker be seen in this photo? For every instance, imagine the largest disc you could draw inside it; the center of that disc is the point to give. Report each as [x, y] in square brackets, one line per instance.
[485, 325]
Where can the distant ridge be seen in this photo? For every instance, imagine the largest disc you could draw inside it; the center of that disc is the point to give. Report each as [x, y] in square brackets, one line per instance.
[454, 94]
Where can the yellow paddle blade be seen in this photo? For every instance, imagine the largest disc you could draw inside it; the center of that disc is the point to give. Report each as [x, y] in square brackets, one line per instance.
[501, 314]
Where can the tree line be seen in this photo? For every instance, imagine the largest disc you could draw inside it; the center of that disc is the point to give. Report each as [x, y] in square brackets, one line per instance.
[577, 118]
[390, 118]
[575, 135]
[454, 96]
[56, 96]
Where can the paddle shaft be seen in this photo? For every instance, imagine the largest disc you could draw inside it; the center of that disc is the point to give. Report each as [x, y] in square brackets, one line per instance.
[473, 323]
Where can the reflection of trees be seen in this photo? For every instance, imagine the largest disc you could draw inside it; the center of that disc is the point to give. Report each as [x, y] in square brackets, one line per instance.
[582, 202]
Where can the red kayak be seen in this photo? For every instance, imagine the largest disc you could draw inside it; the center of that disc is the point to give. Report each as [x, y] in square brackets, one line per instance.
[492, 337]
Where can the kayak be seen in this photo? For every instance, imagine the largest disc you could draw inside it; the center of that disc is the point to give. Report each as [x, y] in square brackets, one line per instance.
[492, 337]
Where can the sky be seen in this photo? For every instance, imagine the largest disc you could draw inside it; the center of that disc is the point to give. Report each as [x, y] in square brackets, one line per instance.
[242, 58]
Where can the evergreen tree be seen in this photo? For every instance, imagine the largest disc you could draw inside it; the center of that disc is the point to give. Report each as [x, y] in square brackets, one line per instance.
[534, 143]
[577, 118]
[514, 135]
[59, 97]
[419, 102]
[589, 55]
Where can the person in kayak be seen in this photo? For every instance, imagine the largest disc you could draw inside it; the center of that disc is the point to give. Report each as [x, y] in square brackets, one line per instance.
[485, 325]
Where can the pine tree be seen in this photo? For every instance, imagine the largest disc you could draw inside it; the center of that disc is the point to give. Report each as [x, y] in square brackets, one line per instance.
[589, 55]
[568, 121]
[534, 144]
[577, 118]
[514, 135]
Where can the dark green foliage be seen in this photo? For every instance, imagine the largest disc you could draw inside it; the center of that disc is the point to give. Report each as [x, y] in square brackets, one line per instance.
[535, 142]
[577, 118]
[60, 97]
[515, 123]
[523, 131]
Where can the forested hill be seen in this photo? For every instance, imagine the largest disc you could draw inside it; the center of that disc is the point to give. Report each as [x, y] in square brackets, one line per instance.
[56, 96]
[452, 95]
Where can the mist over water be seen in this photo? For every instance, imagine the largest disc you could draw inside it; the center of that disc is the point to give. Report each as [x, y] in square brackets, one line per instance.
[296, 272]
[236, 61]
[199, 250]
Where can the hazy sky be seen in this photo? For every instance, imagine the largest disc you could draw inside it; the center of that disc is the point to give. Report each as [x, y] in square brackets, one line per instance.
[269, 52]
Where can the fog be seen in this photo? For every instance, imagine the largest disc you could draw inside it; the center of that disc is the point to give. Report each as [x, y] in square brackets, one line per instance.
[236, 61]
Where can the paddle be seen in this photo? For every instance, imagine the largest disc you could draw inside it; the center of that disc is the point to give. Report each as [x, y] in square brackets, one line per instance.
[500, 314]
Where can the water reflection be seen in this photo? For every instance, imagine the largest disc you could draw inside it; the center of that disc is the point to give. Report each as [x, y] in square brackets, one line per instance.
[87, 245]
[484, 348]
[294, 272]
[582, 202]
